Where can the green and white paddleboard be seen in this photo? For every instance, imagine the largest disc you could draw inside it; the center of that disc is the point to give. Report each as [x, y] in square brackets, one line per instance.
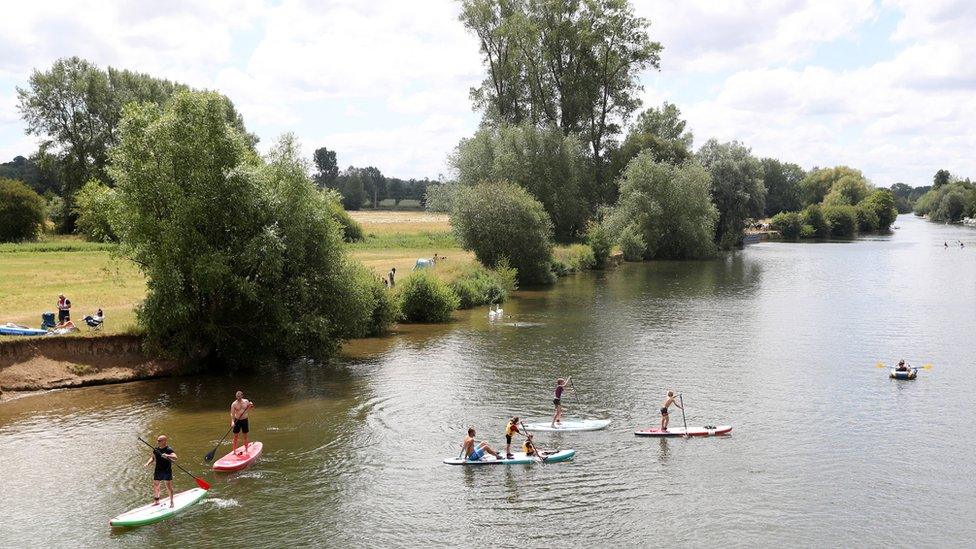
[155, 512]
[519, 458]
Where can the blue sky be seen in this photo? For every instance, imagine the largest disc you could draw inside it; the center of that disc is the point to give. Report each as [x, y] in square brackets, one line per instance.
[881, 85]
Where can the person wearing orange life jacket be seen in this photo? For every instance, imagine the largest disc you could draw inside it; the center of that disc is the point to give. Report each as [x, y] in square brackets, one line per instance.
[64, 307]
[510, 430]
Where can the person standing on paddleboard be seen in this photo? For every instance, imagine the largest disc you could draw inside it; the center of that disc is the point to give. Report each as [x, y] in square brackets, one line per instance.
[557, 401]
[238, 419]
[164, 456]
[474, 452]
[671, 399]
[510, 430]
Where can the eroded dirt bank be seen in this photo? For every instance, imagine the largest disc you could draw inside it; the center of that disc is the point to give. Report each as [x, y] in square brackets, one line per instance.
[33, 364]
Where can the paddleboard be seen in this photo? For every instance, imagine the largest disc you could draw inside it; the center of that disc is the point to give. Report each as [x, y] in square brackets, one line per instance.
[18, 331]
[680, 431]
[519, 459]
[910, 374]
[155, 512]
[233, 462]
[569, 425]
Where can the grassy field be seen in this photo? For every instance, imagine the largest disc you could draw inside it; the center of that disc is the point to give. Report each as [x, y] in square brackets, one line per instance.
[33, 274]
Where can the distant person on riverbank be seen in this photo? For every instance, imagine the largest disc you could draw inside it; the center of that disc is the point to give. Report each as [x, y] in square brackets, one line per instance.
[557, 401]
[164, 456]
[946, 244]
[510, 430]
[238, 419]
[64, 308]
[474, 452]
[392, 277]
[671, 399]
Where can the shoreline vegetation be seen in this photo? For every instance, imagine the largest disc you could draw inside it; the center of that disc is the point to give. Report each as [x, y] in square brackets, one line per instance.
[220, 254]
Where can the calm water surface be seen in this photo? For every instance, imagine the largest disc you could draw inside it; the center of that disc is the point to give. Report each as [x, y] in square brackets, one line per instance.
[779, 340]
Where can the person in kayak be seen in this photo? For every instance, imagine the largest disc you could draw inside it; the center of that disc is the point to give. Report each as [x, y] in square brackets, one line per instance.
[475, 451]
[557, 401]
[510, 430]
[902, 367]
[671, 399]
[164, 456]
[238, 419]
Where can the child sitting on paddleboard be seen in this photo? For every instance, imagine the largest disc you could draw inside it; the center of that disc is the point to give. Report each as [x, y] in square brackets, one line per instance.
[164, 456]
[558, 399]
[510, 430]
[671, 399]
[474, 452]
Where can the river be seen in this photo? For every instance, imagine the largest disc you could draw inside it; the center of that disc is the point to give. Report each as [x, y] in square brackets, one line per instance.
[779, 339]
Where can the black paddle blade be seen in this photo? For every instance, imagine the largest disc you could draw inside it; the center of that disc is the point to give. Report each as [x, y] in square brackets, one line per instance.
[210, 455]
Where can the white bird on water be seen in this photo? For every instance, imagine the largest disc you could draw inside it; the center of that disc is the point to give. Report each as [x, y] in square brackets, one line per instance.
[495, 312]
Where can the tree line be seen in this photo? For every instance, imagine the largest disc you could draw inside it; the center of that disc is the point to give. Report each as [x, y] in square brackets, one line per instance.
[365, 186]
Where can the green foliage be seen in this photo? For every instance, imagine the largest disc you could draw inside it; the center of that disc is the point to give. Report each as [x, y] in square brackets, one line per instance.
[352, 231]
[882, 203]
[949, 202]
[503, 221]
[478, 285]
[370, 294]
[440, 197]
[326, 165]
[598, 237]
[847, 191]
[95, 207]
[818, 183]
[669, 207]
[782, 181]
[737, 188]
[807, 231]
[21, 212]
[813, 216]
[573, 259]
[543, 161]
[842, 220]
[243, 258]
[632, 244]
[658, 130]
[941, 177]
[573, 65]
[424, 298]
[789, 224]
[867, 218]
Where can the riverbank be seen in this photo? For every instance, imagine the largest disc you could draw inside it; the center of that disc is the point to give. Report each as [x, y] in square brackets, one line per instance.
[37, 364]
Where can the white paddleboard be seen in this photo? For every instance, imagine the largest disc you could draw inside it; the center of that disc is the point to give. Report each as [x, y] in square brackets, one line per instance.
[155, 512]
[518, 458]
[569, 425]
[680, 431]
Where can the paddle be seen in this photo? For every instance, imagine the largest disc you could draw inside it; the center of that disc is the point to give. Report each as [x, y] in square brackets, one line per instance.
[685, 421]
[210, 455]
[200, 482]
[575, 392]
[922, 367]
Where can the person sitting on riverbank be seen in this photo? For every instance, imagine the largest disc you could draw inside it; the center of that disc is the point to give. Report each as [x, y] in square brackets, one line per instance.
[65, 327]
[510, 430]
[164, 456]
[474, 452]
[94, 321]
[671, 399]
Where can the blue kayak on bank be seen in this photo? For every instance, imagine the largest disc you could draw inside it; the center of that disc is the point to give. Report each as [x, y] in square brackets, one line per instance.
[13, 330]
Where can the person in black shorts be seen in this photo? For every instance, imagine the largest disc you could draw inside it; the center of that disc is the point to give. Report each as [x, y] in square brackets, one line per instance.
[164, 456]
[238, 419]
[668, 401]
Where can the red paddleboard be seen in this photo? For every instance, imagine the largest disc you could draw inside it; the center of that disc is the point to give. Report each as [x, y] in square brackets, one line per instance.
[680, 431]
[235, 462]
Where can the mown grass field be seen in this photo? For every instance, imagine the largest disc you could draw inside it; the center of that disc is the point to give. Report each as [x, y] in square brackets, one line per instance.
[33, 274]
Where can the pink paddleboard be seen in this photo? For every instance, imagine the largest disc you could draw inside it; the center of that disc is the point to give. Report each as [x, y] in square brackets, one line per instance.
[233, 462]
[680, 431]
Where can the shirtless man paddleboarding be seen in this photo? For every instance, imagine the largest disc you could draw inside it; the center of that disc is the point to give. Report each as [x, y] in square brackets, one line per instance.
[238, 419]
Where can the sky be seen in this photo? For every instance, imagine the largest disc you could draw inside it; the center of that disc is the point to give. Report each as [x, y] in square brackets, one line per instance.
[885, 86]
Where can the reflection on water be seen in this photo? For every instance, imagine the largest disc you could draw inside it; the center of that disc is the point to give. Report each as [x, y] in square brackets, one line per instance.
[779, 339]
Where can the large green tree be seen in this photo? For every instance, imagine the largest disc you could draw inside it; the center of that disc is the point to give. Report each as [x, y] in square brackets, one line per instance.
[76, 107]
[660, 130]
[21, 211]
[669, 206]
[543, 161]
[502, 221]
[820, 181]
[737, 187]
[243, 258]
[326, 165]
[782, 181]
[573, 64]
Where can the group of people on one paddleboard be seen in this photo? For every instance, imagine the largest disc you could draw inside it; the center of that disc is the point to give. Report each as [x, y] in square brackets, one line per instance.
[473, 450]
[163, 454]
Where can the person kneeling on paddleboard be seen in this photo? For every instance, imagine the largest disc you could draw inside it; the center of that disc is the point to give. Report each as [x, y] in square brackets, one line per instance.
[238, 419]
[474, 452]
[510, 430]
[164, 456]
[671, 399]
